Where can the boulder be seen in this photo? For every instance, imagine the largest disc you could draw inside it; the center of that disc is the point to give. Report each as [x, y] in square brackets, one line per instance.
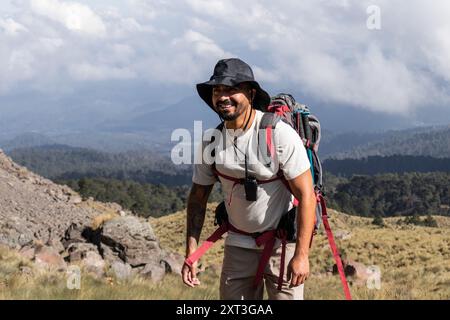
[173, 262]
[109, 255]
[49, 259]
[56, 244]
[75, 199]
[132, 239]
[342, 234]
[73, 234]
[28, 252]
[154, 272]
[121, 271]
[94, 263]
[79, 250]
[355, 270]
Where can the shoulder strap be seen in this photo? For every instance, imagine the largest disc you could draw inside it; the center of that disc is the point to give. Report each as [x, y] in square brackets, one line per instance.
[265, 137]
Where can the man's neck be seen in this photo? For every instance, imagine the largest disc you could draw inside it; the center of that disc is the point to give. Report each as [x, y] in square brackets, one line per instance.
[244, 120]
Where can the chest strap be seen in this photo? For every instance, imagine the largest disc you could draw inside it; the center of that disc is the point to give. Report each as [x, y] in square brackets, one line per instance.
[237, 181]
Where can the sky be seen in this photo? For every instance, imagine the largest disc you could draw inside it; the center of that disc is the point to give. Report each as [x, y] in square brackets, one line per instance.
[386, 56]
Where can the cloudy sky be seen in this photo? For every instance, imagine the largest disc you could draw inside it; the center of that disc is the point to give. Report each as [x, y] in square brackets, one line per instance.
[324, 49]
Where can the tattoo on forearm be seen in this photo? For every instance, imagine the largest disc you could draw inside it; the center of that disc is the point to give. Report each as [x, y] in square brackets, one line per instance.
[196, 211]
[195, 219]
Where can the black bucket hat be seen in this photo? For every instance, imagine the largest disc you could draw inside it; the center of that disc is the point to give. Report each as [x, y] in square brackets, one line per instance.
[231, 72]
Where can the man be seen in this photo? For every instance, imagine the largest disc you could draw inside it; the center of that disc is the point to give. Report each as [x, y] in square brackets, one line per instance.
[237, 98]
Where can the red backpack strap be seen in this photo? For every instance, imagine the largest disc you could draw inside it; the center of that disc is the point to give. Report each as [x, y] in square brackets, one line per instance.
[265, 137]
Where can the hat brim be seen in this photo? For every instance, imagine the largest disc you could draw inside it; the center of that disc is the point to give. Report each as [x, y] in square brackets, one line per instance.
[260, 102]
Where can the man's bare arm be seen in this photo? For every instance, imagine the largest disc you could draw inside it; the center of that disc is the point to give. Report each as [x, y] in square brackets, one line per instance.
[196, 210]
[303, 190]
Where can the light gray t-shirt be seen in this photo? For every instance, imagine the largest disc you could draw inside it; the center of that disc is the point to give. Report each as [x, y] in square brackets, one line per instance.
[273, 198]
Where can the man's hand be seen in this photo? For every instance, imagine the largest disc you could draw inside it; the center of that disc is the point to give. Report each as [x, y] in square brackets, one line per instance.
[298, 270]
[196, 210]
[189, 275]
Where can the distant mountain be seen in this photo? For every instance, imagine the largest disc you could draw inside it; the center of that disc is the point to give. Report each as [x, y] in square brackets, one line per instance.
[60, 162]
[178, 115]
[430, 141]
[391, 164]
[27, 140]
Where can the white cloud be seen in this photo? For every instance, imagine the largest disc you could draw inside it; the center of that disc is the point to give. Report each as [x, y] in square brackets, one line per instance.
[74, 16]
[89, 72]
[202, 45]
[322, 48]
[11, 27]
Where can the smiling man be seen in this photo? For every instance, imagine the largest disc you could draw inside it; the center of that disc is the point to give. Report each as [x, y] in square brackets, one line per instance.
[256, 196]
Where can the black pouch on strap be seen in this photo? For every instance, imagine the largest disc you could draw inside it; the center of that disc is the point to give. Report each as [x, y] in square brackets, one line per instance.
[288, 223]
[221, 214]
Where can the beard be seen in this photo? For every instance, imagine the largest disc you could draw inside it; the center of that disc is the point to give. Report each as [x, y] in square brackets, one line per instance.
[227, 114]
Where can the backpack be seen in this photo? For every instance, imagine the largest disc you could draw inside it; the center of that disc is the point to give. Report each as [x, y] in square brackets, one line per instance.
[283, 107]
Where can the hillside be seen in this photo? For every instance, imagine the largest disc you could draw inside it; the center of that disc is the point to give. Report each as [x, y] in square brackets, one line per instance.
[386, 164]
[61, 162]
[48, 230]
[414, 261]
[429, 141]
[45, 229]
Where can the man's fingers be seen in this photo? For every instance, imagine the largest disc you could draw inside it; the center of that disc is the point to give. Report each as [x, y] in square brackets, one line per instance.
[301, 280]
[298, 280]
[289, 274]
[293, 280]
[190, 276]
[187, 276]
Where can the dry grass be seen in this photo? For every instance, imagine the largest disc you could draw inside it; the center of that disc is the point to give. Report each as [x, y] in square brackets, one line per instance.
[414, 261]
[52, 285]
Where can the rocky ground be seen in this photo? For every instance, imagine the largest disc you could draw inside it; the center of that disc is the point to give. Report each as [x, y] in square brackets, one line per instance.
[54, 227]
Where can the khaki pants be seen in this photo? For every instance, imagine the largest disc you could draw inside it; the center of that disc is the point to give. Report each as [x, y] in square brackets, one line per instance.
[239, 271]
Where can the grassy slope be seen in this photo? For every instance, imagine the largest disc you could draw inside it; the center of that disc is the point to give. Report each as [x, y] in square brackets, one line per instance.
[415, 264]
[414, 261]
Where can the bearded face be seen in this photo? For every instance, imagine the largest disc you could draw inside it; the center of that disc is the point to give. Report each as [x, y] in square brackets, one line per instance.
[231, 102]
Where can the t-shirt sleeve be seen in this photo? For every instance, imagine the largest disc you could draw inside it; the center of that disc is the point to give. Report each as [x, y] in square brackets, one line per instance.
[291, 152]
[203, 173]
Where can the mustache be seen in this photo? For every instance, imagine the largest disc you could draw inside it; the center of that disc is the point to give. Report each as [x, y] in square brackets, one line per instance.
[225, 103]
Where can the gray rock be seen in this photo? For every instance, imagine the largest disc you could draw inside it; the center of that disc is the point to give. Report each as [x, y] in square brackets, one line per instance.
[121, 271]
[94, 263]
[154, 272]
[132, 239]
[28, 252]
[108, 254]
[73, 234]
[173, 262]
[49, 259]
[78, 251]
[355, 270]
[56, 244]
[75, 199]
[342, 234]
